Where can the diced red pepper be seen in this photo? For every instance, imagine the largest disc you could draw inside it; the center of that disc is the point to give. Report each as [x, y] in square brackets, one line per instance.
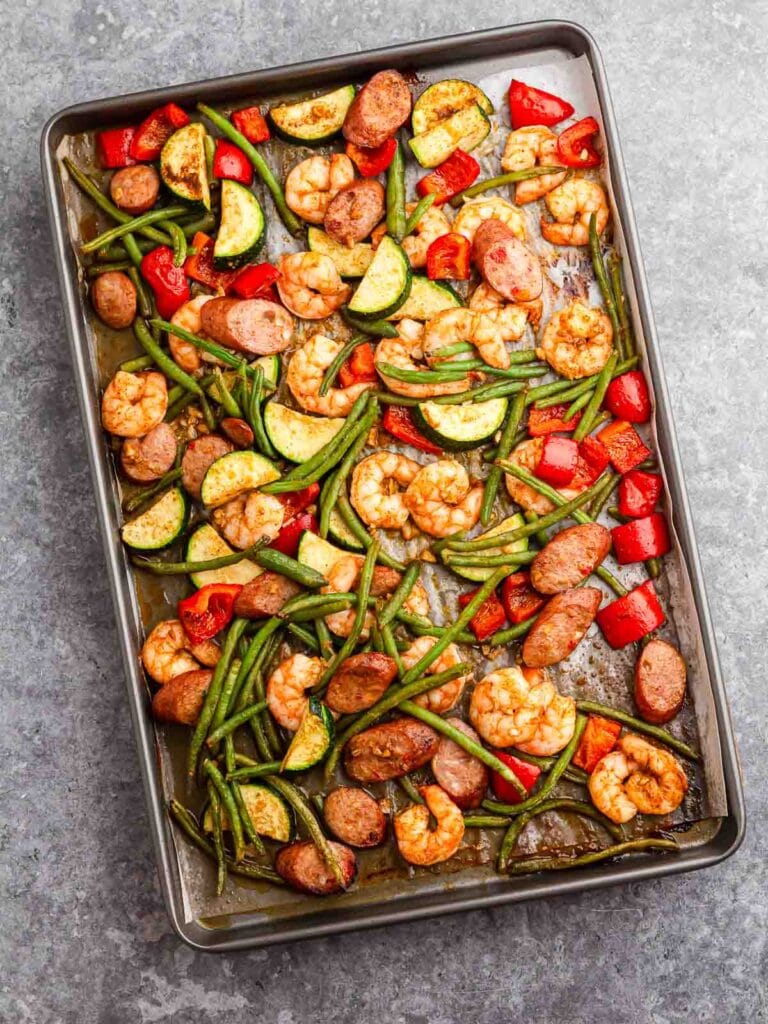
[371, 162]
[641, 539]
[397, 421]
[550, 421]
[639, 493]
[294, 502]
[207, 612]
[489, 617]
[575, 145]
[528, 774]
[624, 445]
[153, 132]
[528, 105]
[598, 739]
[519, 598]
[200, 266]
[593, 459]
[229, 161]
[448, 258]
[168, 282]
[450, 177]
[287, 541]
[627, 397]
[558, 462]
[254, 281]
[359, 368]
[114, 147]
[250, 122]
[631, 617]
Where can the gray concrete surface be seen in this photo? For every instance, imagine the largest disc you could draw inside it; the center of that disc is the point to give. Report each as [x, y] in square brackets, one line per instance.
[84, 936]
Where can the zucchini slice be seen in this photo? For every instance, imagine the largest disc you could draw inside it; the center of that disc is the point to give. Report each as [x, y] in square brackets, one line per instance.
[271, 367]
[427, 299]
[313, 121]
[206, 543]
[339, 532]
[295, 435]
[317, 553]
[443, 99]
[182, 165]
[234, 473]
[478, 574]
[386, 285]
[349, 262]
[312, 740]
[161, 524]
[242, 229]
[463, 130]
[270, 814]
[458, 428]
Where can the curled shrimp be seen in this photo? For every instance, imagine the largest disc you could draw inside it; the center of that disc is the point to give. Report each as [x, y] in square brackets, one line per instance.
[510, 317]
[507, 706]
[527, 147]
[344, 577]
[248, 517]
[184, 353]
[134, 403]
[635, 778]
[455, 325]
[168, 652]
[417, 843]
[287, 686]
[442, 698]
[475, 211]
[441, 499]
[310, 285]
[527, 455]
[432, 226]
[577, 340]
[377, 489]
[312, 184]
[404, 352]
[572, 204]
[305, 375]
[555, 728]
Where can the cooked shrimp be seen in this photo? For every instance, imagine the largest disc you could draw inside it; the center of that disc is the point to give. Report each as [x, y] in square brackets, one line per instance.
[527, 455]
[185, 354]
[404, 352]
[526, 148]
[248, 517]
[443, 697]
[168, 652]
[312, 184]
[134, 403]
[287, 686]
[577, 340]
[441, 499]
[572, 204]
[475, 211]
[305, 375]
[635, 778]
[555, 728]
[509, 317]
[310, 286]
[455, 325]
[374, 490]
[432, 225]
[417, 843]
[507, 706]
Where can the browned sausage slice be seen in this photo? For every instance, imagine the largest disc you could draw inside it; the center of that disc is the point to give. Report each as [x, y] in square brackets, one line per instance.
[506, 264]
[200, 454]
[114, 298]
[135, 189]
[354, 817]
[144, 459]
[254, 326]
[570, 557]
[301, 865]
[359, 682]
[355, 211]
[660, 676]
[238, 431]
[561, 624]
[390, 750]
[384, 580]
[462, 776]
[378, 110]
[181, 700]
[265, 596]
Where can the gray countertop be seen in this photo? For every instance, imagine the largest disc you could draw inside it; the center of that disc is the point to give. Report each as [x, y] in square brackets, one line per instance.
[84, 936]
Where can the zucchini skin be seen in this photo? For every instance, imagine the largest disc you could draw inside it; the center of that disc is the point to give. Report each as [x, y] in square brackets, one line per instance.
[175, 177]
[444, 98]
[387, 308]
[277, 120]
[165, 540]
[445, 441]
[237, 200]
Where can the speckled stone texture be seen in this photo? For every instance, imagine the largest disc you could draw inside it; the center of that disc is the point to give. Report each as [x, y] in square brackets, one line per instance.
[84, 937]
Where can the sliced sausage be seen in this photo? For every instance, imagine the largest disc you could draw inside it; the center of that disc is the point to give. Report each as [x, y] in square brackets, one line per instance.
[570, 557]
[354, 817]
[660, 676]
[181, 700]
[390, 750]
[506, 264]
[135, 189]
[200, 454]
[384, 580]
[355, 211]
[265, 596]
[254, 326]
[114, 298]
[378, 110]
[561, 624]
[238, 431]
[301, 865]
[144, 459]
[462, 776]
[359, 682]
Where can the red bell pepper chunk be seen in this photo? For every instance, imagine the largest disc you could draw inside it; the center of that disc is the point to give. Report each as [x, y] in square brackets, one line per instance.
[519, 598]
[627, 397]
[598, 739]
[550, 421]
[631, 617]
[528, 774]
[639, 493]
[294, 502]
[575, 146]
[624, 445]
[153, 133]
[250, 122]
[450, 177]
[559, 460]
[641, 539]
[372, 161]
[169, 283]
[397, 421]
[592, 461]
[489, 617]
[200, 265]
[287, 541]
[229, 161]
[207, 612]
[448, 258]
[528, 105]
[359, 368]
[114, 147]
[254, 281]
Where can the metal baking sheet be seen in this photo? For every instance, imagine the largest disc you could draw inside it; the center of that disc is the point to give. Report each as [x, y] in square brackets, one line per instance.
[483, 55]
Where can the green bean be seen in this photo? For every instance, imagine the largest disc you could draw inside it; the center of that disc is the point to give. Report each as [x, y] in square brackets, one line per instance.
[561, 863]
[324, 642]
[338, 361]
[254, 771]
[390, 647]
[571, 773]
[138, 500]
[502, 451]
[485, 821]
[276, 561]
[599, 420]
[400, 595]
[373, 328]
[542, 537]
[296, 799]
[505, 636]
[234, 722]
[485, 561]
[260, 652]
[107, 268]
[227, 402]
[444, 376]
[599, 500]
[225, 697]
[323, 455]
[131, 225]
[209, 144]
[254, 656]
[423, 627]
[322, 610]
[160, 568]
[163, 360]
[452, 350]
[653, 566]
[548, 395]
[225, 355]
[305, 635]
[559, 804]
[577, 405]
[228, 802]
[339, 478]
[256, 415]
[205, 222]
[504, 179]
[602, 279]
[484, 393]
[396, 218]
[614, 269]
[245, 817]
[593, 405]
[516, 371]
[218, 838]
[414, 218]
[137, 364]
[593, 707]
[410, 790]
[179, 240]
